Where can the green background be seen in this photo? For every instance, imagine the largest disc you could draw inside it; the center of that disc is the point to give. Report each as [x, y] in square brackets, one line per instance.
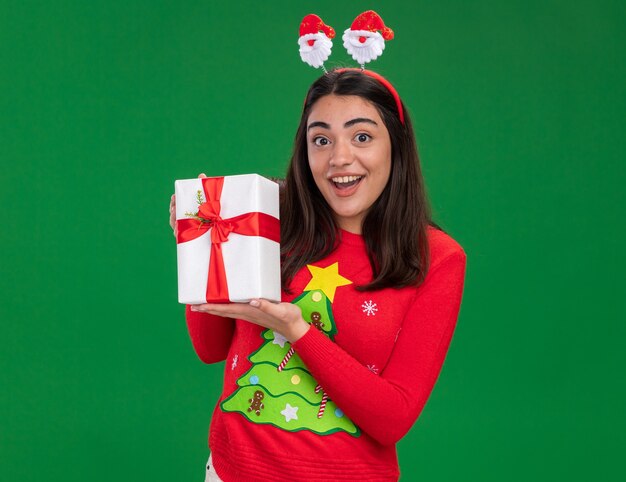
[519, 111]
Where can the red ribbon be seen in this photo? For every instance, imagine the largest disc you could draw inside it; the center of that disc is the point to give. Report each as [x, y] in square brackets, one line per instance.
[249, 224]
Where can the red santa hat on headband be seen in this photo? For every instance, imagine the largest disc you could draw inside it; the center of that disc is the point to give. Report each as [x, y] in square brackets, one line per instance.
[363, 41]
[315, 44]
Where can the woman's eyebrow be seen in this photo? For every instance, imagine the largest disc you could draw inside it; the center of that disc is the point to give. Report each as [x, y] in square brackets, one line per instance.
[359, 120]
[350, 123]
[318, 124]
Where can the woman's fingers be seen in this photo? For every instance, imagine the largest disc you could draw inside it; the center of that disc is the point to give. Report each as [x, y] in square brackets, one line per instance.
[222, 307]
[173, 209]
[240, 311]
[173, 213]
[285, 318]
[243, 311]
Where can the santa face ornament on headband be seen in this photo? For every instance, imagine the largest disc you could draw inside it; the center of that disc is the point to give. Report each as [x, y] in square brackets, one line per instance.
[315, 44]
[364, 40]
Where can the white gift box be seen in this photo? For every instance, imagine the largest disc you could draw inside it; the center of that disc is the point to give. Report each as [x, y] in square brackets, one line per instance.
[251, 262]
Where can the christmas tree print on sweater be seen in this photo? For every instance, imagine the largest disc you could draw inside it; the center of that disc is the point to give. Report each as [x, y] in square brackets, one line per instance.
[278, 389]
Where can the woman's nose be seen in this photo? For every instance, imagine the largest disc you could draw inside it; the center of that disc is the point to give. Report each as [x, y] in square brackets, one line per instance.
[342, 154]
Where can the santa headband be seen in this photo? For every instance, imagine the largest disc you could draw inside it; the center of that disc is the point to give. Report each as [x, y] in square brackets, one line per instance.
[364, 41]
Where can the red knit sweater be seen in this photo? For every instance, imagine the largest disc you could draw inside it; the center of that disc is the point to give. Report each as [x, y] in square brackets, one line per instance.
[378, 370]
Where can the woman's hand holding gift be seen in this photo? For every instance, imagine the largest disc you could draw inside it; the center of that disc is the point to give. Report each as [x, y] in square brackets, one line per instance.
[283, 318]
[173, 209]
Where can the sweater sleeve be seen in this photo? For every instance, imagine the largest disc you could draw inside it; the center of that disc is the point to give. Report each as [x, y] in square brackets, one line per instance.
[396, 397]
[210, 335]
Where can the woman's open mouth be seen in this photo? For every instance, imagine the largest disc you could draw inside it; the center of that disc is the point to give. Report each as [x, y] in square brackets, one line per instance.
[346, 182]
[345, 186]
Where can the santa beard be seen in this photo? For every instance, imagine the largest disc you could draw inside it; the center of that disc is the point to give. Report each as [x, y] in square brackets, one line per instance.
[363, 52]
[315, 55]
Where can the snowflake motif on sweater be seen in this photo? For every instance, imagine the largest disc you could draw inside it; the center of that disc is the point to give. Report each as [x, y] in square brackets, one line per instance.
[369, 308]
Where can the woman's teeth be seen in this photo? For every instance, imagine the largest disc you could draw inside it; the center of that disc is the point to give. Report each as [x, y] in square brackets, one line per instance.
[346, 181]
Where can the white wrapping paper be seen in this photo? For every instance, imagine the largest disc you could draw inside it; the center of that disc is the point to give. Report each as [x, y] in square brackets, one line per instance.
[252, 263]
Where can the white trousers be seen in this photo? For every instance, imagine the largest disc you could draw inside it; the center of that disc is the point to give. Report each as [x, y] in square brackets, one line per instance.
[211, 475]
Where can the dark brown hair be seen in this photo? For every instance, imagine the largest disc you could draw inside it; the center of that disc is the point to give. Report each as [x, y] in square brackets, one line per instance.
[394, 228]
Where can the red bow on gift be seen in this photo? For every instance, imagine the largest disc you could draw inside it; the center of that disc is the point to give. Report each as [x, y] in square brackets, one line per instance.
[249, 224]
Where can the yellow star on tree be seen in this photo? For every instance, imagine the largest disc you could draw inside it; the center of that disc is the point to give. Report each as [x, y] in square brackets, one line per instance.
[326, 279]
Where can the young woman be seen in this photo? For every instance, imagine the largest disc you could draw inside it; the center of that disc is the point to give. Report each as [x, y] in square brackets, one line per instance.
[323, 385]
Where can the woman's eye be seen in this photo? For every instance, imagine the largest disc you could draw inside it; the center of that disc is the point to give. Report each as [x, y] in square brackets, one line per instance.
[362, 137]
[320, 141]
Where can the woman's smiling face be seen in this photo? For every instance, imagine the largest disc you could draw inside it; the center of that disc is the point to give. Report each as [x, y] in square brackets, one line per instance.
[349, 152]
